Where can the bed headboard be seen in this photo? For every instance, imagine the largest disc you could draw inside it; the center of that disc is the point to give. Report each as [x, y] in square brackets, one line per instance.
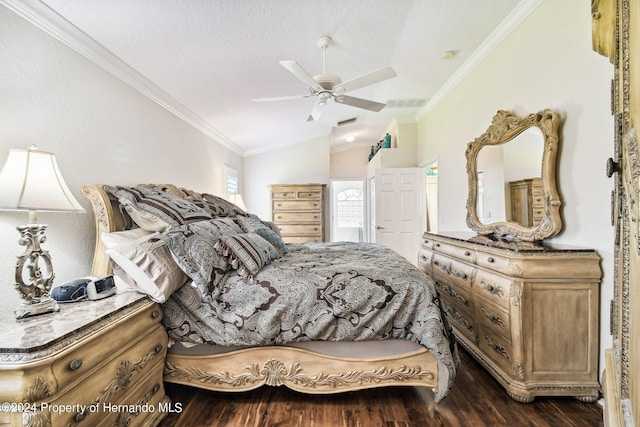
[109, 217]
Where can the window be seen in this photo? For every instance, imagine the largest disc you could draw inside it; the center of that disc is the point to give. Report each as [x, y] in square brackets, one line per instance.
[232, 181]
[350, 208]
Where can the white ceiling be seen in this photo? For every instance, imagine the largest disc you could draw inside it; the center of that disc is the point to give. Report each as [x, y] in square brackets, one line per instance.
[211, 57]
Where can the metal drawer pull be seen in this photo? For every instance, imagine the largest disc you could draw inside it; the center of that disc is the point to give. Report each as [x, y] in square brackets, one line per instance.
[497, 347]
[158, 348]
[460, 275]
[493, 318]
[80, 416]
[495, 290]
[490, 259]
[155, 314]
[156, 388]
[75, 364]
[467, 253]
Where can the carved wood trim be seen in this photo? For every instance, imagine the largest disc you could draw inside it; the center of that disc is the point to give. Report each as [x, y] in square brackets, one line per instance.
[275, 373]
[504, 127]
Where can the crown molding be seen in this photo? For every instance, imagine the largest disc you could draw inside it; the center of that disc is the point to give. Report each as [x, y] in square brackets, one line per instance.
[510, 23]
[45, 18]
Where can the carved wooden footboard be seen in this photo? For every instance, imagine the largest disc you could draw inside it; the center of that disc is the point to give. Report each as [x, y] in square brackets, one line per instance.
[299, 369]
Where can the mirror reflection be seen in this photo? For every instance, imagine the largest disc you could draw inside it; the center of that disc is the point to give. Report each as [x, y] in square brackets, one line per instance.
[509, 181]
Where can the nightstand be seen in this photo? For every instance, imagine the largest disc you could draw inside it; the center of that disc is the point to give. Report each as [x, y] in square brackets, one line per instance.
[94, 363]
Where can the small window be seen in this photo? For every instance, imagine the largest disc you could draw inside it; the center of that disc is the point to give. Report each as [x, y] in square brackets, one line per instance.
[350, 208]
[232, 181]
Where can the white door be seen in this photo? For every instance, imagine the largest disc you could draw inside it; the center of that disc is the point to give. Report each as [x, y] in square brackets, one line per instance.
[398, 210]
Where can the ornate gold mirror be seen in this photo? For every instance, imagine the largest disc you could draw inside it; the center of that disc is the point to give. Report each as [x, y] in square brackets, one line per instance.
[512, 181]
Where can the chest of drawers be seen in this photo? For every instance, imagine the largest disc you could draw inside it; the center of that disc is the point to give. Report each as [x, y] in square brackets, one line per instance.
[527, 312]
[95, 363]
[298, 210]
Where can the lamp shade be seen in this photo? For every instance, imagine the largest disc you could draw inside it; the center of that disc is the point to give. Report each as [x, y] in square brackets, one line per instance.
[30, 180]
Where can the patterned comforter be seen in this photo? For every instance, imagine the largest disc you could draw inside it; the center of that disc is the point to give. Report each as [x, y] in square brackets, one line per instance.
[319, 291]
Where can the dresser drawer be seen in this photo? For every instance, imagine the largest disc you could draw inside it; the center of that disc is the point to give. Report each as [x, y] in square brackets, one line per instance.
[458, 295]
[83, 357]
[296, 229]
[497, 349]
[458, 252]
[301, 239]
[461, 320]
[293, 205]
[110, 383]
[494, 318]
[310, 194]
[424, 260]
[492, 261]
[283, 195]
[493, 288]
[449, 269]
[281, 217]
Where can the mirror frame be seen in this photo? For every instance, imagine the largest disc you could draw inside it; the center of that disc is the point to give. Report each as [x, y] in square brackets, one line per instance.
[504, 127]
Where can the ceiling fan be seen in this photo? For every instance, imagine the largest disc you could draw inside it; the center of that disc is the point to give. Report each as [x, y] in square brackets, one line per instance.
[329, 86]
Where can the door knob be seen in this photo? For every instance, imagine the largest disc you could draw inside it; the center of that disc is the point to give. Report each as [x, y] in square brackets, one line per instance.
[612, 167]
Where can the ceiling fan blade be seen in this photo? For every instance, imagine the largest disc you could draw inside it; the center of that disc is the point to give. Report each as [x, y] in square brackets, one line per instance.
[366, 80]
[279, 98]
[301, 74]
[359, 102]
[317, 110]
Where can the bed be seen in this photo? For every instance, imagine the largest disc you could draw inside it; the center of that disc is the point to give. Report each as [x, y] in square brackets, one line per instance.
[314, 317]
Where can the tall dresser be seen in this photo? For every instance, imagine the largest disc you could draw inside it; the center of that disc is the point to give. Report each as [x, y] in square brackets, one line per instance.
[298, 210]
[94, 363]
[529, 313]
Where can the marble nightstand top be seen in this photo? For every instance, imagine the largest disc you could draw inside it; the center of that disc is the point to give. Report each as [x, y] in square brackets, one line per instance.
[26, 338]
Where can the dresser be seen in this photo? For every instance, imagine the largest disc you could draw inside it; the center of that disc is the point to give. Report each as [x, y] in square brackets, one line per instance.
[298, 210]
[527, 201]
[529, 313]
[94, 363]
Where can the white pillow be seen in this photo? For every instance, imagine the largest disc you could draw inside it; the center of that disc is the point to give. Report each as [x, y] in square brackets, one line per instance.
[111, 240]
[149, 266]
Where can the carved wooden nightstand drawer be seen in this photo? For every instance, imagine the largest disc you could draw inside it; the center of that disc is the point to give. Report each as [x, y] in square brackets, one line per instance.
[82, 357]
[101, 392]
[296, 205]
[88, 355]
[306, 229]
[310, 195]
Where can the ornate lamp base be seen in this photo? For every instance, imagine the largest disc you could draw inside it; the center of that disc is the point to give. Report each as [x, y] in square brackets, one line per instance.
[33, 280]
[46, 305]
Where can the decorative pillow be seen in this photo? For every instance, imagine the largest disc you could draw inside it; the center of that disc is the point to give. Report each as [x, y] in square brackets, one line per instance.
[156, 210]
[253, 225]
[192, 248]
[147, 265]
[217, 206]
[247, 252]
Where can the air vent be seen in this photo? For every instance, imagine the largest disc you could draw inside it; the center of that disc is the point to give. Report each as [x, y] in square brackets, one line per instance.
[406, 103]
[347, 121]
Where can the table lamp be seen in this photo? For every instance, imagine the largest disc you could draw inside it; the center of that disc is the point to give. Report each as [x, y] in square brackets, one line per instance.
[31, 181]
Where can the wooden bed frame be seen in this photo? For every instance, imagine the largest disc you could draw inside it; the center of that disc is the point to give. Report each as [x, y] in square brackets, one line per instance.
[305, 370]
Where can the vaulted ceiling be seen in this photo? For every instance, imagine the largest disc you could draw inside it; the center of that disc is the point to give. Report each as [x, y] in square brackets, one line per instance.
[209, 58]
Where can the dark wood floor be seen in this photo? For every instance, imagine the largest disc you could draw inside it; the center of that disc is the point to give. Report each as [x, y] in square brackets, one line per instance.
[476, 399]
